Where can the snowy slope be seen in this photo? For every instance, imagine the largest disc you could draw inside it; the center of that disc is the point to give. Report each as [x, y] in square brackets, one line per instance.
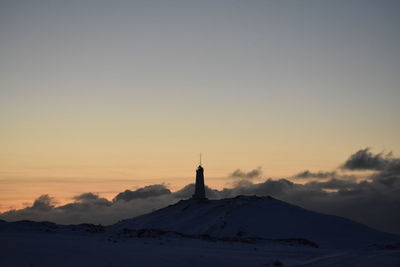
[343, 242]
[64, 250]
[251, 216]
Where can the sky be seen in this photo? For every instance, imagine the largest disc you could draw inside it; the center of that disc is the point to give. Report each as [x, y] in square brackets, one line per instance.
[103, 96]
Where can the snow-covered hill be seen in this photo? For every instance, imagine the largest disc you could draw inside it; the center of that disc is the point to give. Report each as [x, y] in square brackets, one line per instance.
[262, 217]
[242, 231]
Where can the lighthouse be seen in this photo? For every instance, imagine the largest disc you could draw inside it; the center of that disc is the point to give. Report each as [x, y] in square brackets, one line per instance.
[199, 192]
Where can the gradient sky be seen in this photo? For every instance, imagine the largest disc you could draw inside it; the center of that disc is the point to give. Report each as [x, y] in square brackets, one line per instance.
[108, 95]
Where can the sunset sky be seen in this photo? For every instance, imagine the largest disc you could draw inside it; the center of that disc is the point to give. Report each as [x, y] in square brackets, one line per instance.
[103, 96]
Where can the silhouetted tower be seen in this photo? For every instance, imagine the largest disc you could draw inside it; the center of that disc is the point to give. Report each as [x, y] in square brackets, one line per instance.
[199, 192]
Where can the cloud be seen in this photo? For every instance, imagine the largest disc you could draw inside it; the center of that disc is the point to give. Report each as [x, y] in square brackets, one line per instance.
[87, 208]
[144, 192]
[238, 173]
[91, 199]
[387, 167]
[363, 159]
[187, 192]
[320, 174]
[43, 203]
[334, 184]
[371, 199]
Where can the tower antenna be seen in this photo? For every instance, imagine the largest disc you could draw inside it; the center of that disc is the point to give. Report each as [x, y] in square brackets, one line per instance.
[200, 159]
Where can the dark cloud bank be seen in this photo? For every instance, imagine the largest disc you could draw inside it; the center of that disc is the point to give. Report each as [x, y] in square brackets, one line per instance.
[373, 200]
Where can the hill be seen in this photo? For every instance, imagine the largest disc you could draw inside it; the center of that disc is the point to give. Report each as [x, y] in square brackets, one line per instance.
[257, 217]
[241, 231]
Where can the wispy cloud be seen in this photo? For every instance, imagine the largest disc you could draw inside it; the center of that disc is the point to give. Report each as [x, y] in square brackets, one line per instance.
[238, 173]
[309, 174]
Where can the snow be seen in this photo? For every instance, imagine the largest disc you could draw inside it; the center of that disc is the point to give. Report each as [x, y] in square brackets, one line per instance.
[133, 242]
[253, 216]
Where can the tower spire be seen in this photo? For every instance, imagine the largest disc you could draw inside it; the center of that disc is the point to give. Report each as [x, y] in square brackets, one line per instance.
[199, 191]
